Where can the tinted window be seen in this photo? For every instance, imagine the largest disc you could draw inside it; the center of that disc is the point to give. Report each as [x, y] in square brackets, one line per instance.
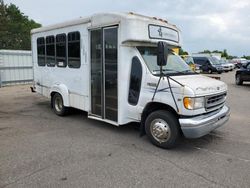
[110, 71]
[61, 60]
[200, 61]
[96, 72]
[41, 51]
[135, 81]
[50, 51]
[74, 50]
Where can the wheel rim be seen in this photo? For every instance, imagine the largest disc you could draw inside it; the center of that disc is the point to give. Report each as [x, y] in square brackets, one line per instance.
[58, 104]
[160, 130]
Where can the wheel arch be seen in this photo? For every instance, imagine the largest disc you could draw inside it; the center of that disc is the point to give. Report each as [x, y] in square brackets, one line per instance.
[63, 91]
[151, 107]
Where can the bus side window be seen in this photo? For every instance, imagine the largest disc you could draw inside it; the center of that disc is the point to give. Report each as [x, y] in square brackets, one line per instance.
[50, 51]
[74, 60]
[61, 59]
[135, 81]
[41, 51]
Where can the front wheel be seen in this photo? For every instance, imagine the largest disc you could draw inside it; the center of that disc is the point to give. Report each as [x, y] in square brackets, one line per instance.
[162, 128]
[58, 106]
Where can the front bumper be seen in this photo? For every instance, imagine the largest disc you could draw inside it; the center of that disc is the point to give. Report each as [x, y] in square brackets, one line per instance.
[227, 68]
[218, 69]
[201, 125]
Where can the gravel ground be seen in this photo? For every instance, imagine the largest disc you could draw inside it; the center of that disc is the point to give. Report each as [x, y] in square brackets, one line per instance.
[40, 149]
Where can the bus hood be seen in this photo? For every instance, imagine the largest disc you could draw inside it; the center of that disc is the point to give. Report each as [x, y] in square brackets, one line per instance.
[202, 85]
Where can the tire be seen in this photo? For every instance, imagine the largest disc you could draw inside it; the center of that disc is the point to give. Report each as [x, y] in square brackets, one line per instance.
[238, 80]
[163, 129]
[210, 71]
[58, 106]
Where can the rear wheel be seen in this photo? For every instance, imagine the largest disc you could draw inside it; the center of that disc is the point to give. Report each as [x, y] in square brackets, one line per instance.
[238, 80]
[162, 128]
[58, 106]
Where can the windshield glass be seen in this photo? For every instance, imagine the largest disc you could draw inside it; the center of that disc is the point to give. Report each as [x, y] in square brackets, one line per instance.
[222, 61]
[189, 60]
[175, 63]
[214, 61]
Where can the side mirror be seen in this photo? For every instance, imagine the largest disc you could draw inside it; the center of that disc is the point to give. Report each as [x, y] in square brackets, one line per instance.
[162, 54]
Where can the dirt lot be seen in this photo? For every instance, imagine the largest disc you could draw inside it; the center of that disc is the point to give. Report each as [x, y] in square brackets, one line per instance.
[40, 149]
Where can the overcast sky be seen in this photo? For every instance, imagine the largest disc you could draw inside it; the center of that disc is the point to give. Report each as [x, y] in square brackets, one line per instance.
[205, 24]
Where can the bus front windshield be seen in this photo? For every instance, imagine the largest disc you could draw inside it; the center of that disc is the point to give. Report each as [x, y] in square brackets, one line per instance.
[175, 64]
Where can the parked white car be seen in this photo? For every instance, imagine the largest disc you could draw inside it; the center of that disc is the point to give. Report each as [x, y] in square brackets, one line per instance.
[226, 65]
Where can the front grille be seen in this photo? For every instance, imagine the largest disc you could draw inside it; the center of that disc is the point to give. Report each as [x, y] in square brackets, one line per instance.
[214, 102]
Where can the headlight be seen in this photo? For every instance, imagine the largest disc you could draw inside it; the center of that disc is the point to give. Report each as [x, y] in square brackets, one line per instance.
[193, 103]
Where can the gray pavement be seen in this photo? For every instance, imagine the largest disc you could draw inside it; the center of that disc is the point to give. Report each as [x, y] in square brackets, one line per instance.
[40, 149]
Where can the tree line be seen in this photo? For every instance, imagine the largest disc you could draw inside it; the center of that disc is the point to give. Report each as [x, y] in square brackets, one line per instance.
[15, 28]
[223, 53]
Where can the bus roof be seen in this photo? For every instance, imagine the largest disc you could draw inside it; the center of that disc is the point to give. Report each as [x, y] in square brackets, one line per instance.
[132, 21]
[118, 16]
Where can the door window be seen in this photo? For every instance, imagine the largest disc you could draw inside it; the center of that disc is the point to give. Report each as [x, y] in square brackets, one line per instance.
[248, 67]
[135, 81]
[104, 73]
[96, 72]
[110, 69]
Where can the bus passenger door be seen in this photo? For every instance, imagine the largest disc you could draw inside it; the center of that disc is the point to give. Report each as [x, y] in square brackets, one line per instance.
[104, 73]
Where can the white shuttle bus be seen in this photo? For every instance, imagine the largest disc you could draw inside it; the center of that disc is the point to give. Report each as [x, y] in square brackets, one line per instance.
[120, 68]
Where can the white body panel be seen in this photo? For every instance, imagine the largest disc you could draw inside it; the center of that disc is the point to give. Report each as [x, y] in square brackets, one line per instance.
[72, 84]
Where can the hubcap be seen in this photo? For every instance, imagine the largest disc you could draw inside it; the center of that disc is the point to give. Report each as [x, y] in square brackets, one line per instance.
[160, 130]
[58, 104]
